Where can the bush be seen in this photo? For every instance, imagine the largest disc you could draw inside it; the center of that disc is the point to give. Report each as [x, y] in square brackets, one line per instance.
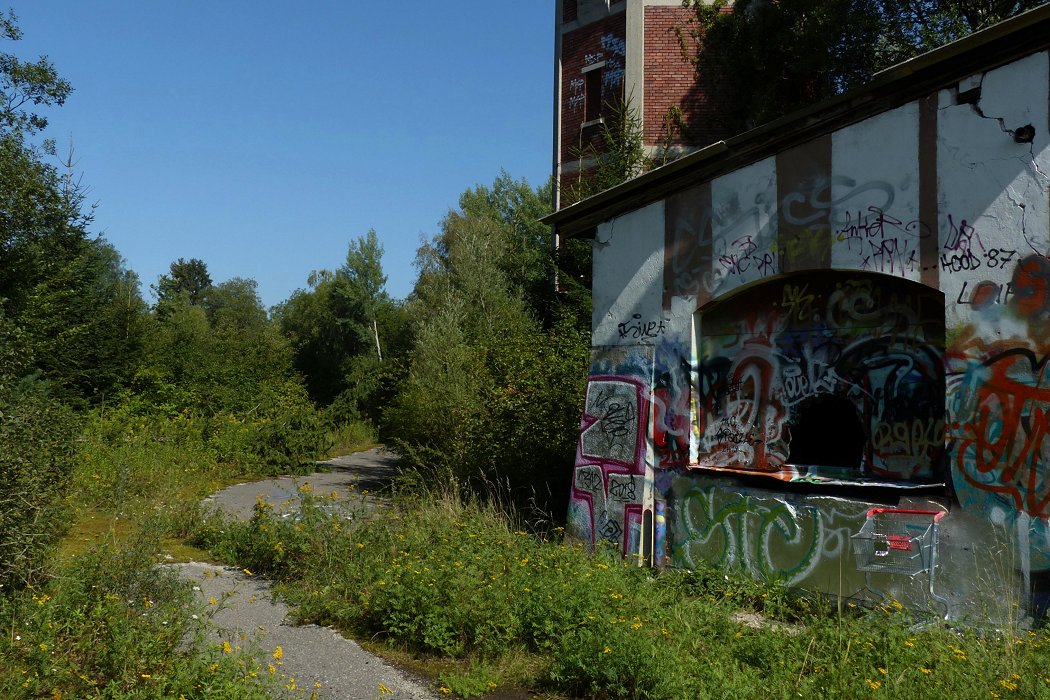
[439, 577]
[37, 435]
[290, 432]
[505, 419]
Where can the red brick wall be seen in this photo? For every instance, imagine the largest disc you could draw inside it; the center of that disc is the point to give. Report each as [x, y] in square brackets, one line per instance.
[598, 41]
[671, 80]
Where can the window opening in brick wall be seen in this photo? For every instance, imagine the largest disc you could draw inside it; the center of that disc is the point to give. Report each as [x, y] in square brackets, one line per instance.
[593, 95]
[827, 432]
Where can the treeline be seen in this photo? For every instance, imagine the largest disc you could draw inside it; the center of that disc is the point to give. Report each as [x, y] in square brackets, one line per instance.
[477, 377]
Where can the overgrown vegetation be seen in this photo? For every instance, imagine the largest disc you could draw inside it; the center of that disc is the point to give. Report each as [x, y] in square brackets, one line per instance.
[771, 58]
[615, 156]
[117, 415]
[114, 416]
[111, 624]
[459, 584]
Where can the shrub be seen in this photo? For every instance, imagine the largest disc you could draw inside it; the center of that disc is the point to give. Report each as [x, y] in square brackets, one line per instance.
[37, 435]
[290, 432]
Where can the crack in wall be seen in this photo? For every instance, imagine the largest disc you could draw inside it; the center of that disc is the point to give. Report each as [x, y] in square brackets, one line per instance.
[1030, 163]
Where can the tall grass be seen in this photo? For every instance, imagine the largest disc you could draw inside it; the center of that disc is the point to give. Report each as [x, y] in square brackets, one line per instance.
[349, 437]
[107, 622]
[111, 624]
[447, 579]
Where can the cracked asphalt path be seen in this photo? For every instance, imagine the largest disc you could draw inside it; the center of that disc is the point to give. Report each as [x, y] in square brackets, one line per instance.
[319, 659]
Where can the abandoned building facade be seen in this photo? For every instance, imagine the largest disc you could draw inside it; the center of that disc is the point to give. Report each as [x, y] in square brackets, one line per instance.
[819, 349]
[633, 51]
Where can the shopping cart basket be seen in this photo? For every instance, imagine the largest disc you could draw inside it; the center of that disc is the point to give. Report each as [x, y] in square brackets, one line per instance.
[898, 540]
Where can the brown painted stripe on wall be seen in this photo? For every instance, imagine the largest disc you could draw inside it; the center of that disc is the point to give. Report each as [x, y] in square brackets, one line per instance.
[687, 244]
[929, 241]
[803, 231]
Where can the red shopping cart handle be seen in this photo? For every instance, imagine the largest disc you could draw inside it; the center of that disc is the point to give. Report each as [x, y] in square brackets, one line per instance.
[937, 514]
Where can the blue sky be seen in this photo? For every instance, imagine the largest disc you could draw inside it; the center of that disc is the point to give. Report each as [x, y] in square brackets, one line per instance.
[264, 136]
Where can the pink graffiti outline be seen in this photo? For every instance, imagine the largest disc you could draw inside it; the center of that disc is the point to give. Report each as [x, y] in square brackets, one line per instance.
[632, 512]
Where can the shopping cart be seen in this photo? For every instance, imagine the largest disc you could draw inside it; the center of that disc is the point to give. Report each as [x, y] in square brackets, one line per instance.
[898, 541]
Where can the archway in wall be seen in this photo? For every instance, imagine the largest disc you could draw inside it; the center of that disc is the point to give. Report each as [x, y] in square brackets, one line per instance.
[824, 372]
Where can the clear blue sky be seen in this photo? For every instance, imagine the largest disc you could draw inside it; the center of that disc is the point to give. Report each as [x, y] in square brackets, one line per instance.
[264, 136]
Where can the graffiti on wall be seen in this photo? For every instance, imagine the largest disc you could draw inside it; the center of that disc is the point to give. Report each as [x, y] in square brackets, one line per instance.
[1000, 433]
[1025, 297]
[613, 52]
[873, 343]
[998, 395]
[610, 461]
[881, 242]
[672, 403]
[577, 94]
[718, 248]
[766, 537]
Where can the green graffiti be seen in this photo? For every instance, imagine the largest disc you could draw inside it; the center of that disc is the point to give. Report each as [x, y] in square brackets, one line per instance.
[764, 538]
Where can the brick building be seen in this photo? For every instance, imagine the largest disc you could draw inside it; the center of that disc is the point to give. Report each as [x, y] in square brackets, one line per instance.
[607, 51]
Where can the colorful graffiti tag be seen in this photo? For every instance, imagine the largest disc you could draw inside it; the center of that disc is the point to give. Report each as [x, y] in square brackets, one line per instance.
[872, 342]
[610, 462]
[765, 537]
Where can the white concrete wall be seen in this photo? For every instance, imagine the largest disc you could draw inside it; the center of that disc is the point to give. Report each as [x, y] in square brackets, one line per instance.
[743, 227]
[629, 261]
[874, 195]
[993, 191]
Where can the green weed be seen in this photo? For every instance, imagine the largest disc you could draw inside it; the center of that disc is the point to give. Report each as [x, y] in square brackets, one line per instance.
[352, 436]
[112, 624]
[439, 577]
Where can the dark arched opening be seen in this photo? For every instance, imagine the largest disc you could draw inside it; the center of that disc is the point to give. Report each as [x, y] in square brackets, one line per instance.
[827, 432]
